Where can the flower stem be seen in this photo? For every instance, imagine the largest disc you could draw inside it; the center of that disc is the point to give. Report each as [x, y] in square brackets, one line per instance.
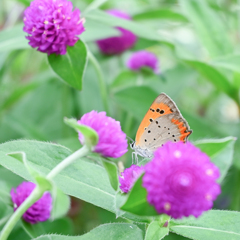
[32, 198]
[38, 192]
[102, 85]
[67, 161]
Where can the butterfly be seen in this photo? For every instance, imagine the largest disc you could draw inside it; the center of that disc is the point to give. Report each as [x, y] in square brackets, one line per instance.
[163, 122]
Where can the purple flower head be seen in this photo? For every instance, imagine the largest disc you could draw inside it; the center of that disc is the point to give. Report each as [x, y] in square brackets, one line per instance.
[40, 211]
[129, 176]
[119, 44]
[181, 180]
[52, 25]
[143, 59]
[112, 140]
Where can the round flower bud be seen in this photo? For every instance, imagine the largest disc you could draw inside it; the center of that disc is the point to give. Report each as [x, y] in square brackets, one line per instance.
[129, 176]
[112, 140]
[40, 211]
[119, 44]
[52, 25]
[181, 181]
[142, 59]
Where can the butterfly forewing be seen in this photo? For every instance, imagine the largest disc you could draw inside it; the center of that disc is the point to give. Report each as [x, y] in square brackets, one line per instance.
[163, 122]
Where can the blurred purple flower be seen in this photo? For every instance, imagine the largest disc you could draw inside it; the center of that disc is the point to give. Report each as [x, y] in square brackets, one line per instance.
[129, 176]
[51, 25]
[112, 140]
[40, 211]
[181, 180]
[143, 59]
[117, 45]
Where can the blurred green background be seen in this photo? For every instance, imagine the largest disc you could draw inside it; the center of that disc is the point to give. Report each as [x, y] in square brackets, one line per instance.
[197, 43]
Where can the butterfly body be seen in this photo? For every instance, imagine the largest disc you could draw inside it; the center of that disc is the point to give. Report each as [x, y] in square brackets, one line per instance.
[163, 122]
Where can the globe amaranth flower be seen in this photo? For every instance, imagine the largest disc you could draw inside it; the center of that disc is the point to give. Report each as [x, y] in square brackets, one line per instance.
[180, 180]
[40, 211]
[118, 44]
[112, 140]
[129, 176]
[52, 25]
[142, 59]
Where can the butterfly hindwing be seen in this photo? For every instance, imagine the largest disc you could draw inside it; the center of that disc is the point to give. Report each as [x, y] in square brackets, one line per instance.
[166, 128]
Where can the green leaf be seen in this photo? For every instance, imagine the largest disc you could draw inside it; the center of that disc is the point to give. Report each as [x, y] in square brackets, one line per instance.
[71, 66]
[59, 226]
[214, 224]
[137, 201]
[111, 231]
[112, 171]
[90, 135]
[13, 38]
[213, 36]
[215, 77]
[138, 29]
[155, 231]
[231, 62]
[82, 179]
[160, 14]
[21, 156]
[220, 151]
[61, 204]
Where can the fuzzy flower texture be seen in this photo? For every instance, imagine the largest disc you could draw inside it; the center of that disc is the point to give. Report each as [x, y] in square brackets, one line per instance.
[129, 176]
[52, 25]
[112, 140]
[181, 180]
[119, 44]
[40, 211]
[142, 59]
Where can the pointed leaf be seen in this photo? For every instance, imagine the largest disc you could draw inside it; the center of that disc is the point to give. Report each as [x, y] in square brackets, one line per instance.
[90, 135]
[137, 201]
[111, 169]
[220, 151]
[71, 66]
[155, 231]
[61, 203]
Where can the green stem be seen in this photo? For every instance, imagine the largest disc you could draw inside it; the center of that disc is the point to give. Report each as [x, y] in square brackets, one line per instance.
[67, 161]
[38, 191]
[102, 85]
[32, 198]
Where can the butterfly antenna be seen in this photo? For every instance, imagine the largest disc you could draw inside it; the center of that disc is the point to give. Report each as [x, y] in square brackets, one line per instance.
[130, 139]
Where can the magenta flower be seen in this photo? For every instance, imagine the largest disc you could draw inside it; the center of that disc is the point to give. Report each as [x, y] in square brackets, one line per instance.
[143, 59]
[51, 25]
[112, 140]
[129, 176]
[181, 180]
[119, 44]
[40, 211]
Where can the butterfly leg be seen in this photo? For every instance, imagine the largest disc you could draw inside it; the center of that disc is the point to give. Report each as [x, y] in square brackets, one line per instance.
[134, 158]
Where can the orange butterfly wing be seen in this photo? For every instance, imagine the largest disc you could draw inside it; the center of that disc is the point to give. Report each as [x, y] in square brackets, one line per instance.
[161, 106]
